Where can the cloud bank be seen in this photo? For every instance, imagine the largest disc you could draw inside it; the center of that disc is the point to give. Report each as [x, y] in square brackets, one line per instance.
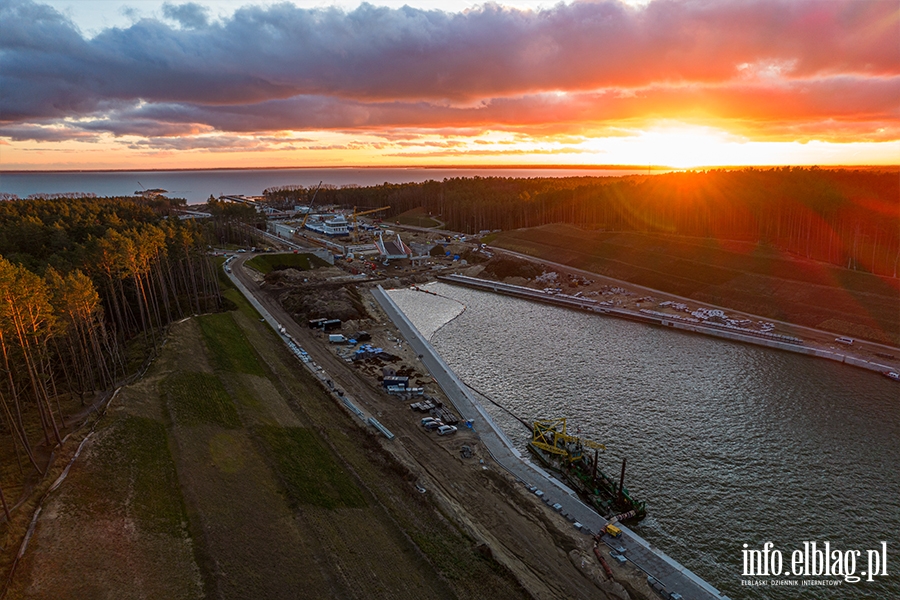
[769, 69]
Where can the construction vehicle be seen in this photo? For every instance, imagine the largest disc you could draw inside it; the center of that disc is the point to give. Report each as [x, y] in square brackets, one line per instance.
[550, 435]
[613, 531]
[359, 214]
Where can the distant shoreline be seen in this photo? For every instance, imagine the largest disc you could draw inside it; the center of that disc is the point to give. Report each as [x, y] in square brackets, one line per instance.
[444, 167]
[358, 167]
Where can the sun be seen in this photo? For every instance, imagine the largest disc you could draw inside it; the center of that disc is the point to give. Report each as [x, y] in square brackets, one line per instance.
[686, 147]
[683, 147]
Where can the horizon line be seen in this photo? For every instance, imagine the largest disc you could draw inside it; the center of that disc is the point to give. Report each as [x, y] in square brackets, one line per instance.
[580, 167]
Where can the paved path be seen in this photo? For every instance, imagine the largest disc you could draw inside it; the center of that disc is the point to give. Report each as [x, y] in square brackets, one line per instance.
[652, 561]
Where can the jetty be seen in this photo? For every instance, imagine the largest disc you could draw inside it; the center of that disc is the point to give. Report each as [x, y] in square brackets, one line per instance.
[665, 573]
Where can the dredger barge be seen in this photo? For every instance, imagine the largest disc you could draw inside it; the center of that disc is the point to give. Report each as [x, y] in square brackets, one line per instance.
[566, 454]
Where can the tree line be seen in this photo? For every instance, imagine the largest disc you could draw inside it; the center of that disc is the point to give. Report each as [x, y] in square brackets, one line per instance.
[79, 279]
[845, 217]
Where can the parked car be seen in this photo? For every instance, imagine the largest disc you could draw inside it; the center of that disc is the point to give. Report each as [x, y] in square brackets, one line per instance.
[446, 429]
[432, 425]
[428, 420]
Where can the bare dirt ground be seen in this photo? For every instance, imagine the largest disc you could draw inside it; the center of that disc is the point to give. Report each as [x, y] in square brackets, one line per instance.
[190, 502]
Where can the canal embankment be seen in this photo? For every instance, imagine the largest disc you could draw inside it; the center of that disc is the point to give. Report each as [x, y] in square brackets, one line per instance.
[769, 340]
[673, 576]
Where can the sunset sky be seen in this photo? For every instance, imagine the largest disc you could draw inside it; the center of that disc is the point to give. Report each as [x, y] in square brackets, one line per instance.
[149, 84]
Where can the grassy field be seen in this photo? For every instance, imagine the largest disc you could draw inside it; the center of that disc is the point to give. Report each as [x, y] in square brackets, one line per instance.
[266, 263]
[309, 472]
[228, 345]
[133, 453]
[416, 218]
[197, 398]
[743, 276]
[231, 294]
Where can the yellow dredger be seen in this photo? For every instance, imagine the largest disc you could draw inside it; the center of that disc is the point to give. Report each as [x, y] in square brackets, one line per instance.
[565, 453]
[550, 435]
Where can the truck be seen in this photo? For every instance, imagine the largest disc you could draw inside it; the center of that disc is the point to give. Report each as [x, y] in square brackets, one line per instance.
[612, 530]
[336, 338]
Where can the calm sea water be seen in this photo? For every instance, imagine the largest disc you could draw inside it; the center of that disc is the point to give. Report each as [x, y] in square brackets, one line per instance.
[728, 443]
[196, 186]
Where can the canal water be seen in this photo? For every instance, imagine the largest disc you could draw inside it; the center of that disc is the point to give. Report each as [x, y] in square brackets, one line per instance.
[728, 443]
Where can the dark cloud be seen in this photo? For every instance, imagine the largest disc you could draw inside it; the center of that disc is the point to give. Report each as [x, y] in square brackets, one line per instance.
[283, 67]
[842, 98]
[189, 15]
[223, 143]
[27, 132]
[119, 126]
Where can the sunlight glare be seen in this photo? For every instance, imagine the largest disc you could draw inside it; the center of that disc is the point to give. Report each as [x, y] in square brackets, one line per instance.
[686, 147]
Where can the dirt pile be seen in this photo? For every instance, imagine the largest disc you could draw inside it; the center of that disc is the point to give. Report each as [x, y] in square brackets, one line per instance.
[329, 302]
[502, 267]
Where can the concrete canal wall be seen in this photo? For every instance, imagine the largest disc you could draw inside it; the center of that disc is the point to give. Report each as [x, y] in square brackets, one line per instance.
[588, 305]
[672, 575]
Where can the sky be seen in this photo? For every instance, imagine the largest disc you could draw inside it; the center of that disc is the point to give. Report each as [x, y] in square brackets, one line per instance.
[119, 84]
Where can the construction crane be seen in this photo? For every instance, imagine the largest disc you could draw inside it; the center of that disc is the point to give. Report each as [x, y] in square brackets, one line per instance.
[309, 211]
[359, 214]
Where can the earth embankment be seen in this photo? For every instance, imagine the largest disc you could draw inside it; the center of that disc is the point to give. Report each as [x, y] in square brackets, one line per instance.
[746, 277]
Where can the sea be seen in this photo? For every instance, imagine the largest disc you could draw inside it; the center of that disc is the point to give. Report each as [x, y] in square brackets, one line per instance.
[196, 186]
[731, 445]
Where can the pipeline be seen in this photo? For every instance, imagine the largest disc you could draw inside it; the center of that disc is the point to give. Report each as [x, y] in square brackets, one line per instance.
[603, 562]
[623, 516]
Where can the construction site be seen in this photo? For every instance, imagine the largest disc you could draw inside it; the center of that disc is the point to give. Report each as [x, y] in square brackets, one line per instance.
[247, 463]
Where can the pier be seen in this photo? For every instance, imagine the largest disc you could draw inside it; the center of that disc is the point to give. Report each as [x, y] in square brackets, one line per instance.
[674, 577]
